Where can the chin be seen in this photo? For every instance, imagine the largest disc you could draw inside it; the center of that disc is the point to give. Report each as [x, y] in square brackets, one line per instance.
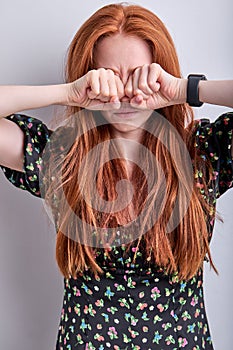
[124, 128]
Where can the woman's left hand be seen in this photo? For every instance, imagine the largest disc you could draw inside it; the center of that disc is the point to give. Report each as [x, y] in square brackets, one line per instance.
[151, 87]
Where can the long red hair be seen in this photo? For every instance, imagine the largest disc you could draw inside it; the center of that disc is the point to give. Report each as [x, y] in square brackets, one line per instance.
[181, 251]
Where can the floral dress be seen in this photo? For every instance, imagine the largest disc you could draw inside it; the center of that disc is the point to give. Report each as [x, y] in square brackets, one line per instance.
[133, 306]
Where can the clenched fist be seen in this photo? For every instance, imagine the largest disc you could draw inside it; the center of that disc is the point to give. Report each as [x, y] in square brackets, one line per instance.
[148, 87]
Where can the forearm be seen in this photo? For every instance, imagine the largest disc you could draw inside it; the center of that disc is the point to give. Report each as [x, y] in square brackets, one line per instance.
[17, 98]
[218, 92]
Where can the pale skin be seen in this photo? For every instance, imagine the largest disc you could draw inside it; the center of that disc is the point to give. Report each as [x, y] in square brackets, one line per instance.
[119, 83]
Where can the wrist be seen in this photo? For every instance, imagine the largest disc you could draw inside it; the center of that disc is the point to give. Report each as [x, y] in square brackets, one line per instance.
[64, 93]
[181, 91]
[54, 94]
[202, 85]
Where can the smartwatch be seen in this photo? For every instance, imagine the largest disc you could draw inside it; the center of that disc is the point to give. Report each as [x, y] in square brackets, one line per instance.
[193, 89]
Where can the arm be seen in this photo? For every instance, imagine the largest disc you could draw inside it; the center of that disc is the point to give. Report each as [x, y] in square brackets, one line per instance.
[168, 90]
[163, 89]
[17, 98]
[218, 92]
[11, 134]
[84, 92]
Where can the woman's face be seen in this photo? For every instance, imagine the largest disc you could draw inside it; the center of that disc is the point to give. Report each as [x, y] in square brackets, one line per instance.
[123, 53]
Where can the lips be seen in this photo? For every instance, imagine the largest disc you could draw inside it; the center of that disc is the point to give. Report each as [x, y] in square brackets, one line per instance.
[125, 111]
[125, 114]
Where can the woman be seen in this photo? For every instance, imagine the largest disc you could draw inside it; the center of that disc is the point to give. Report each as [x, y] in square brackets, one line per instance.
[139, 286]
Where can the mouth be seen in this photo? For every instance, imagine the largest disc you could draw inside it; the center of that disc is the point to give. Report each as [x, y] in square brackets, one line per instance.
[125, 113]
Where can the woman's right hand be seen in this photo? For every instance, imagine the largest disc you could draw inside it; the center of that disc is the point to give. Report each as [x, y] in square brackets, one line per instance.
[98, 89]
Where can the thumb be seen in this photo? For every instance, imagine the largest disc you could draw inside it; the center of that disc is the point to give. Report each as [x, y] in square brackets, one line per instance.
[136, 101]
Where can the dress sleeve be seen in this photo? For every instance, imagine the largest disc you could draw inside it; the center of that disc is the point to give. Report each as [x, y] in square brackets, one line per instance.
[214, 139]
[36, 135]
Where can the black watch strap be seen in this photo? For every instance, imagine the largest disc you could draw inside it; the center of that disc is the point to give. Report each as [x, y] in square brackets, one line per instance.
[193, 90]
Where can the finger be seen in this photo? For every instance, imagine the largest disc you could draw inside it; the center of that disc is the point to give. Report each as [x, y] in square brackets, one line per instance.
[143, 80]
[112, 86]
[136, 89]
[108, 86]
[135, 79]
[104, 85]
[154, 73]
[93, 84]
[138, 102]
[129, 87]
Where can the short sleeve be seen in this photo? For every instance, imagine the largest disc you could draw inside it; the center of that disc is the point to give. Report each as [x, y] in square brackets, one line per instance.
[214, 140]
[36, 136]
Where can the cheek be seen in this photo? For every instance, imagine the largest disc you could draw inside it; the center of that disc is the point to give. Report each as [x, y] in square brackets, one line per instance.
[106, 115]
[145, 115]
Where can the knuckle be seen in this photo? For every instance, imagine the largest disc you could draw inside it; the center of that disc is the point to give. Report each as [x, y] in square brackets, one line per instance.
[155, 66]
[91, 73]
[137, 70]
[138, 91]
[101, 70]
[105, 93]
[94, 93]
[151, 83]
[110, 72]
[142, 85]
[128, 89]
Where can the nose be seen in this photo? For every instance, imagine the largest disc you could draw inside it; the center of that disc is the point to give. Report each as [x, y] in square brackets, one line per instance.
[124, 79]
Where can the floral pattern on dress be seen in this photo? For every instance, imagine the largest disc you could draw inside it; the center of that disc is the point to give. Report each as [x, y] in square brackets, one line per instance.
[134, 306]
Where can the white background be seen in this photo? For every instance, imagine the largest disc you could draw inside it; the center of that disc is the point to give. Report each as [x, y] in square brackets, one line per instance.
[34, 37]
